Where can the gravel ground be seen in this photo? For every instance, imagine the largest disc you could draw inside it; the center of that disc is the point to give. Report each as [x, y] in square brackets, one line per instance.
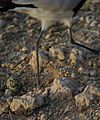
[18, 33]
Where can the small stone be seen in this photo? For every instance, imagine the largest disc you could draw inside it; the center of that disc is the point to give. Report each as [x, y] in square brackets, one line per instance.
[3, 106]
[98, 113]
[57, 53]
[94, 23]
[82, 19]
[76, 56]
[93, 73]
[73, 75]
[23, 56]
[82, 116]
[15, 20]
[11, 84]
[89, 19]
[11, 66]
[2, 23]
[43, 117]
[24, 49]
[8, 92]
[43, 59]
[90, 63]
[80, 70]
[47, 36]
[94, 90]
[75, 19]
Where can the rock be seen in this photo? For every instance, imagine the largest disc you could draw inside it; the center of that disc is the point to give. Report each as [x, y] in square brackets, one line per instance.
[80, 69]
[93, 73]
[82, 19]
[2, 23]
[47, 36]
[58, 53]
[13, 86]
[15, 20]
[26, 102]
[55, 73]
[98, 113]
[63, 85]
[93, 90]
[89, 19]
[82, 116]
[43, 59]
[3, 106]
[76, 18]
[31, 102]
[94, 23]
[84, 99]
[43, 117]
[16, 105]
[76, 56]
[8, 92]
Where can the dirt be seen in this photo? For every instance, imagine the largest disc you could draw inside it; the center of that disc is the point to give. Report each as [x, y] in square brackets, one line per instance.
[18, 33]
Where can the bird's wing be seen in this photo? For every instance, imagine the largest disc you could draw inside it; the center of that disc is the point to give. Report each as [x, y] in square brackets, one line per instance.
[23, 1]
[51, 5]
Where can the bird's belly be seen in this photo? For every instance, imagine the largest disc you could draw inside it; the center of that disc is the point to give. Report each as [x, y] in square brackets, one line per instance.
[51, 16]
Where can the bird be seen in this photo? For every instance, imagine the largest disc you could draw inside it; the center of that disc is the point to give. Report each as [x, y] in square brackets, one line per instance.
[48, 12]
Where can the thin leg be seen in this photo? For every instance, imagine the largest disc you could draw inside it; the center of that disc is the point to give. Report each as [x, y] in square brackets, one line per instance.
[73, 42]
[37, 58]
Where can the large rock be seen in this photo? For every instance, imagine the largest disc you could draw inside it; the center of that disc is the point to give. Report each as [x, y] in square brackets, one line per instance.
[84, 99]
[63, 85]
[26, 102]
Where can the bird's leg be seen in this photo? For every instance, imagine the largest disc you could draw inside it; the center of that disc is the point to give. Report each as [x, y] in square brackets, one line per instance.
[37, 58]
[73, 42]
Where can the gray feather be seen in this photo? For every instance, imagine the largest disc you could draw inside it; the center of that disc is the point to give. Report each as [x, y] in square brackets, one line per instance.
[51, 5]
